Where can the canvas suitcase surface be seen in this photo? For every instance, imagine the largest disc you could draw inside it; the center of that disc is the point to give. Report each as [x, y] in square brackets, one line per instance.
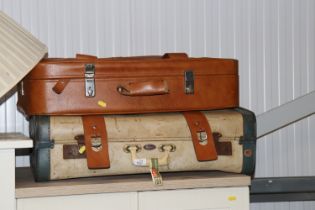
[87, 85]
[133, 140]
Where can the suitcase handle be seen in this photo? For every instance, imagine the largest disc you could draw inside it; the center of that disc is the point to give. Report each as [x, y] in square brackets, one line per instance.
[166, 55]
[84, 56]
[175, 55]
[147, 88]
[162, 161]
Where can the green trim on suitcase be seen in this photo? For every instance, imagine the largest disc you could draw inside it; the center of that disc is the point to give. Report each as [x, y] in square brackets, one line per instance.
[248, 141]
[40, 158]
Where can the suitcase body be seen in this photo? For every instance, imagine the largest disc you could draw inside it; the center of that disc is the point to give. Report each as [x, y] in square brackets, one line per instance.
[87, 85]
[56, 145]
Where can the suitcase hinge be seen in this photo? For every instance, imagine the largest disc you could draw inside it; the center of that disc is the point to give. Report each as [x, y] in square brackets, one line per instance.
[22, 88]
[89, 80]
[189, 82]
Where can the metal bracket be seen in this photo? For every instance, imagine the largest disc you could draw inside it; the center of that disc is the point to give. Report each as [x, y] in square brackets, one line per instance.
[189, 82]
[285, 114]
[280, 189]
[44, 144]
[89, 80]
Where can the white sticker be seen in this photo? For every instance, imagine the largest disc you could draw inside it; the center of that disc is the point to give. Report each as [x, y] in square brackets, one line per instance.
[140, 162]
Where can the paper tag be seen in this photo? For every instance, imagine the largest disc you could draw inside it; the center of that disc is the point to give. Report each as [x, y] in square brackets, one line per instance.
[82, 150]
[155, 174]
[140, 162]
[102, 103]
[156, 177]
[232, 198]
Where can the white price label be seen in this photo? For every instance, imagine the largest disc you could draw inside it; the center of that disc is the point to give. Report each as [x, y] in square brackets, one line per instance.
[140, 162]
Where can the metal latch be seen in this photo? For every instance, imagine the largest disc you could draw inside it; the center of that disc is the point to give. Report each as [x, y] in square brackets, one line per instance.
[89, 80]
[189, 82]
[202, 137]
[96, 142]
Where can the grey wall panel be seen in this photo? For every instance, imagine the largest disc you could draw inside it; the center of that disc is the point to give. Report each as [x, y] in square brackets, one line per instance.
[274, 41]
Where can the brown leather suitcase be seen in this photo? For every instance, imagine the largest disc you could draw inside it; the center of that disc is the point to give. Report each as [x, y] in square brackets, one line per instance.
[88, 85]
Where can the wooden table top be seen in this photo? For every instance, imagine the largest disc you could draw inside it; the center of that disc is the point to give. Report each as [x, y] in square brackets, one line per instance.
[14, 141]
[27, 187]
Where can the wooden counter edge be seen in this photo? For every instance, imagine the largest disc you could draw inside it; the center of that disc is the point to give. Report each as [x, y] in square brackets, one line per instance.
[14, 141]
[123, 184]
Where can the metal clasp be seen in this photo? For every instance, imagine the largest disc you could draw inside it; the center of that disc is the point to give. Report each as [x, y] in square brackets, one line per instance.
[89, 80]
[202, 137]
[127, 147]
[189, 82]
[96, 142]
[170, 147]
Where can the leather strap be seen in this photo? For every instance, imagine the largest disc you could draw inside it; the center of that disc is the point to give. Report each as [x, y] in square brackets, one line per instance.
[198, 124]
[60, 85]
[95, 140]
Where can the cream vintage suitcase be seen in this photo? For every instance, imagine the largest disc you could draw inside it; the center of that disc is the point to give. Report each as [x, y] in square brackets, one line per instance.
[134, 140]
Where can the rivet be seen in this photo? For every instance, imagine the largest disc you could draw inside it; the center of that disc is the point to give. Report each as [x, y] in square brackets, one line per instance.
[248, 153]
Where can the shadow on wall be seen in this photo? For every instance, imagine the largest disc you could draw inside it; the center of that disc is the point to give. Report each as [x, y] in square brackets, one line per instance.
[8, 95]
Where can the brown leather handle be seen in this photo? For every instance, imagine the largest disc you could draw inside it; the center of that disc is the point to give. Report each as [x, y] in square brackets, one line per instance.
[147, 88]
[165, 56]
[60, 85]
[84, 56]
[175, 55]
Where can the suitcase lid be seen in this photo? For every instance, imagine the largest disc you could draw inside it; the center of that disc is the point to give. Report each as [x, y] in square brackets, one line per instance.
[170, 64]
[20, 51]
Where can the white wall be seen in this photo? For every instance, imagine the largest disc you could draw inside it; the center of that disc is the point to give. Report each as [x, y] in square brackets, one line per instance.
[274, 41]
